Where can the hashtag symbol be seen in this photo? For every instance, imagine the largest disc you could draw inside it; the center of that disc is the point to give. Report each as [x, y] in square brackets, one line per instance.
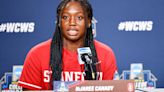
[121, 26]
[2, 27]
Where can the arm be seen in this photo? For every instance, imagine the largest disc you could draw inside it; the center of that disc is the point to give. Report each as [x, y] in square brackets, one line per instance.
[31, 73]
[110, 66]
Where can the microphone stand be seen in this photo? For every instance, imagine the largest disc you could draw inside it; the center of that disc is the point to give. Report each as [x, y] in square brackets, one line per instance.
[88, 66]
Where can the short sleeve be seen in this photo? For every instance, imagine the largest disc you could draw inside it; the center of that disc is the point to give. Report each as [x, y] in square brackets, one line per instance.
[109, 66]
[31, 73]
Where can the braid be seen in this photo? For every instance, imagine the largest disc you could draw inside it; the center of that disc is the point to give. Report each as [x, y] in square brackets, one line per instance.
[56, 55]
[57, 43]
[56, 47]
[89, 42]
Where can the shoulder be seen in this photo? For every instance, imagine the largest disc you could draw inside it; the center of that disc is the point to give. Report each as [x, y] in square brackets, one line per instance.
[101, 47]
[41, 48]
[104, 52]
[38, 54]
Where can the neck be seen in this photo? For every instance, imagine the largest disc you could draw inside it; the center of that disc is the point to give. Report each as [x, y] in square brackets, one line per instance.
[72, 45]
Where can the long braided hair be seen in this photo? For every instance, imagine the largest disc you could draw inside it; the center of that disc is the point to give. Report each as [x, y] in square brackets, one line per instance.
[57, 43]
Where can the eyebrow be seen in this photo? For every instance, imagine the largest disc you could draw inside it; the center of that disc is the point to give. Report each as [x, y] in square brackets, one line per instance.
[73, 12]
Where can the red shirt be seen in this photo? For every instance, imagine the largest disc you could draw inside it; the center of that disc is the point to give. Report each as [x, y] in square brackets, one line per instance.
[36, 72]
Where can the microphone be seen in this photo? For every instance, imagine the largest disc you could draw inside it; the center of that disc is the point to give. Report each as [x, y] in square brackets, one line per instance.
[85, 57]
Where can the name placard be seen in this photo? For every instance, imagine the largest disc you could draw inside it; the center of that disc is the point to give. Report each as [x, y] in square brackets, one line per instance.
[95, 86]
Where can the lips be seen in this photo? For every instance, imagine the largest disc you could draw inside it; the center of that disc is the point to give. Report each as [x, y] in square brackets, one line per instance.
[72, 32]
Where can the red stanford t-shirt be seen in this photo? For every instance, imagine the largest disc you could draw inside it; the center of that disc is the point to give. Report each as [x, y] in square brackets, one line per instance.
[36, 74]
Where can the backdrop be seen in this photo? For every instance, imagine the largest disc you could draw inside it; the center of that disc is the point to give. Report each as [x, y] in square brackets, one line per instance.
[134, 29]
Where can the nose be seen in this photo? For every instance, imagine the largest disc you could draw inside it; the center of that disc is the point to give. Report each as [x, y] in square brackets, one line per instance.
[72, 21]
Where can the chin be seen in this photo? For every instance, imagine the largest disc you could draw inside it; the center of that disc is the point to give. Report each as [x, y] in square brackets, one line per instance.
[74, 39]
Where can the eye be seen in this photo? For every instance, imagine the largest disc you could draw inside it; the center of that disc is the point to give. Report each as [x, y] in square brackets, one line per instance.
[80, 17]
[65, 17]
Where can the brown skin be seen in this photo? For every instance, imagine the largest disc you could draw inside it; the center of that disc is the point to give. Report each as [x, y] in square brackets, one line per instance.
[73, 19]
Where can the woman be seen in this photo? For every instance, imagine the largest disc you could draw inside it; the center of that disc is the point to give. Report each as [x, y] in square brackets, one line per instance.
[57, 59]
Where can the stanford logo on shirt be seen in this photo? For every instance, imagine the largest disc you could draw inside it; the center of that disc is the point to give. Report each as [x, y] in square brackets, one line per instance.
[68, 76]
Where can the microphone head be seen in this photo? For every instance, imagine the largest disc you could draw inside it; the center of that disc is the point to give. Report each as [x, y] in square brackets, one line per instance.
[84, 55]
[87, 58]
